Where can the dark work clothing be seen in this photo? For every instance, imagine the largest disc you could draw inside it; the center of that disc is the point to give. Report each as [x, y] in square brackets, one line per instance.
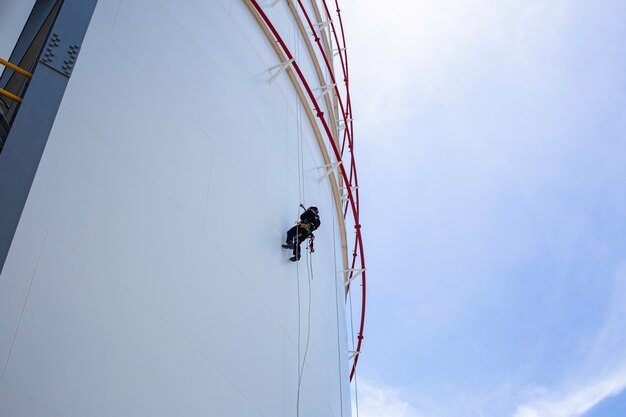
[309, 221]
[311, 218]
[295, 236]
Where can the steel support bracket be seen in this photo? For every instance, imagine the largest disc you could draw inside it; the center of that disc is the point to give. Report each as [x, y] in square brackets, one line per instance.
[355, 274]
[280, 68]
[325, 90]
[329, 169]
[338, 51]
[323, 25]
[341, 124]
[344, 195]
[353, 354]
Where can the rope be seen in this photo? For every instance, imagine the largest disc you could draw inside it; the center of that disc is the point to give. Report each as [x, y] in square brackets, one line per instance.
[339, 367]
[356, 393]
[356, 387]
[309, 260]
[308, 334]
[301, 361]
[300, 156]
[299, 322]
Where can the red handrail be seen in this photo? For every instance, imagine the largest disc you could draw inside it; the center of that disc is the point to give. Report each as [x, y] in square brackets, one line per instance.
[344, 65]
[358, 247]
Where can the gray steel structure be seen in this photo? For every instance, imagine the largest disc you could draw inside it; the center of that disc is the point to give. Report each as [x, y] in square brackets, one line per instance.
[29, 132]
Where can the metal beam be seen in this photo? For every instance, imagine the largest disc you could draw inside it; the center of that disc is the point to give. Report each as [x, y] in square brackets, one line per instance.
[33, 122]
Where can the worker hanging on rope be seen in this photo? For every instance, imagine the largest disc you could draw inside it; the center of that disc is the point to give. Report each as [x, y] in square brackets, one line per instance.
[303, 230]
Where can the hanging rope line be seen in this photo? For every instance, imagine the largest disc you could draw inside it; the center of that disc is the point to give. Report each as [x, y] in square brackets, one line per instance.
[337, 289]
[301, 196]
[346, 169]
[299, 330]
[308, 334]
[354, 349]
[350, 179]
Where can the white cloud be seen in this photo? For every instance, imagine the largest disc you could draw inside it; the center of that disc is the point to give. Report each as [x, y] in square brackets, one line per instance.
[603, 374]
[409, 53]
[577, 402]
[376, 400]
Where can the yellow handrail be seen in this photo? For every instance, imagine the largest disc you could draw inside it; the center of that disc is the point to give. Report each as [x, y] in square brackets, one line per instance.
[9, 95]
[16, 68]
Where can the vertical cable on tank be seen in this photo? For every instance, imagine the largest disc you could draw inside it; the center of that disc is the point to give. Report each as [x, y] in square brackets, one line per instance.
[337, 317]
[309, 258]
[301, 199]
[308, 333]
[356, 391]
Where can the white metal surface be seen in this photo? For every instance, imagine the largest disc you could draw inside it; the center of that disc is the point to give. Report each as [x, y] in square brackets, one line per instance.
[146, 277]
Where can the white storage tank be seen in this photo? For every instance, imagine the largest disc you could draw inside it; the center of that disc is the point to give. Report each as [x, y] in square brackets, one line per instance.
[144, 274]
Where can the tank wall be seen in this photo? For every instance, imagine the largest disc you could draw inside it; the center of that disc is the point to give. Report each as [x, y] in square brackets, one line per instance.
[146, 276]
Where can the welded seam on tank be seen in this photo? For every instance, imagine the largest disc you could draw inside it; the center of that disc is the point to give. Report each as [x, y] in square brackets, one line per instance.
[19, 322]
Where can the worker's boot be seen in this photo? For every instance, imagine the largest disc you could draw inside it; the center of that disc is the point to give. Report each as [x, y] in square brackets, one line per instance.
[288, 246]
[294, 259]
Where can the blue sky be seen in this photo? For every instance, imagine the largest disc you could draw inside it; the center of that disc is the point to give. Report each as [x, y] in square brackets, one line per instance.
[491, 143]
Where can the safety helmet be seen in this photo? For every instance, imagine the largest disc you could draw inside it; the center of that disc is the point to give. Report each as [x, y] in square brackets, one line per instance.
[314, 209]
